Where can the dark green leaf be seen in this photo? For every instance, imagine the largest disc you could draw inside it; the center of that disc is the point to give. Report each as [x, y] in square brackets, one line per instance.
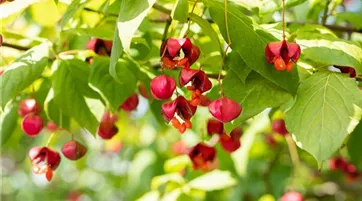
[8, 122]
[181, 11]
[255, 95]
[71, 10]
[117, 51]
[23, 72]
[354, 146]
[327, 108]
[131, 15]
[353, 18]
[207, 28]
[113, 93]
[55, 114]
[69, 92]
[235, 64]
[250, 40]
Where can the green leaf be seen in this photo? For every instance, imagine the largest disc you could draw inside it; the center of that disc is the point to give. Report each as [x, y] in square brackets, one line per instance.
[164, 179]
[112, 92]
[215, 180]
[354, 146]
[71, 10]
[131, 14]
[255, 95]
[14, 7]
[8, 122]
[352, 18]
[55, 114]
[23, 72]
[238, 67]
[117, 51]
[180, 11]
[326, 110]
[45, 13]
[268, 6]
[69, 92]
[249, 40]
[331, 51]
[207, 29]
[177, 164]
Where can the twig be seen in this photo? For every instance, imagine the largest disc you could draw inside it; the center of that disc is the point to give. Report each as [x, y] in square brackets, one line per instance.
[160, 8]
[167, 26]
[325, 12]
[293, 150]
[333, 27]
[18, 47]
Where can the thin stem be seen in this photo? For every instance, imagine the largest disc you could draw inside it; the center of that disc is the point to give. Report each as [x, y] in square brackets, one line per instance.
[167, 26]
[68, 52]
[189, 21]
[18, 47]
[50, 139]
[220, 71]
[226, 21]
[162, 9]
[227, 47]
[283, 19]
[293, 150]
[325, 13]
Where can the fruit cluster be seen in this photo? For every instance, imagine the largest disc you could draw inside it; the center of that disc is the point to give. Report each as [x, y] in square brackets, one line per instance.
[341, 164]
[179, 111]
[44, 159]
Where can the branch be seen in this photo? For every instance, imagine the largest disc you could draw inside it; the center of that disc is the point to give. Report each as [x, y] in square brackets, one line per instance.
[18, 47]
[332, 27]
[162, 9]
[156, 6]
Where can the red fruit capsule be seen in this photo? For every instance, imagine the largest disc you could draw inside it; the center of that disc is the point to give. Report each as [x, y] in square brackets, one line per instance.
[202, 156]
[100, 46]
[231, 143]
[281, 54]
[162, 87]
[51, 126]
[131, 103]
[278, 126]
[225, 109]
[74, 150]
[171, 53]
[32, 124]
[337, 163]
[198, 78]
[27, 106]
[180, 107]
[107, 130]
[292, 196]
[346, 69]
[44, 154]
[214, 126]
[143, 90]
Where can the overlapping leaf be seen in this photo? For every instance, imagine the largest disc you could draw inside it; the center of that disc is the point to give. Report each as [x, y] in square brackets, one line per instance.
[69, 92]
[23, 72]
[113, 93]
[327, 108]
